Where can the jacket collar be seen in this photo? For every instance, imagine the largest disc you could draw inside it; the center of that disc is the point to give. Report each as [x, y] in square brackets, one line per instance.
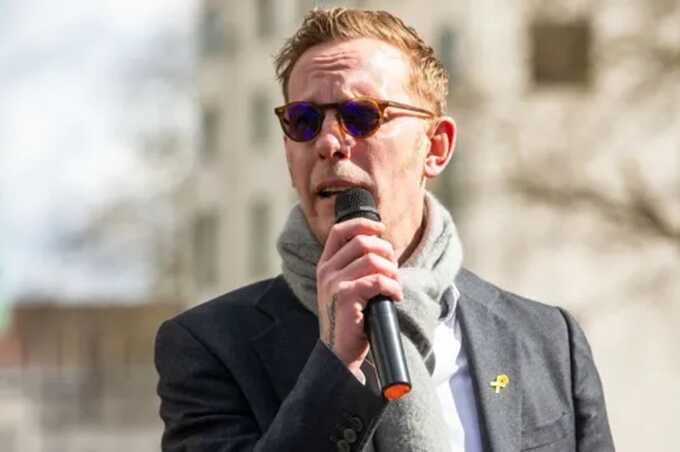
[285, 344]
[490, 343]
[492, 349]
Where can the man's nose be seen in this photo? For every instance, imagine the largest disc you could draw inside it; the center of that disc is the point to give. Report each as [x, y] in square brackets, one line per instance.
[333, 141]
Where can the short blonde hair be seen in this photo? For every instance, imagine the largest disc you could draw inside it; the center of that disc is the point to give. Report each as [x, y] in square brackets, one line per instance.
[428, 79]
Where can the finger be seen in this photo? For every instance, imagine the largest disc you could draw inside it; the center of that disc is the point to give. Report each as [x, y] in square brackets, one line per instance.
[342, 233]
[369, 264]
[361, 245]
[373, 285]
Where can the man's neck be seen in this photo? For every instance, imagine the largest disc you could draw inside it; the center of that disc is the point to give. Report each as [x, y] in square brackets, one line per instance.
[417, 236]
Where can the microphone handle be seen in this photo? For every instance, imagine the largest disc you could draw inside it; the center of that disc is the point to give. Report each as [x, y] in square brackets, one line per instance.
[382, 328]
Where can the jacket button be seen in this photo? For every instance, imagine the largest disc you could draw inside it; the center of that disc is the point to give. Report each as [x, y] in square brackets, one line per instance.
[343, 446]
[350, 435]
[356, 423]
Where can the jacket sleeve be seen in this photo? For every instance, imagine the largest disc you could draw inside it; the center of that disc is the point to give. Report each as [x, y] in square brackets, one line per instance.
[592, 432]
[204, 409]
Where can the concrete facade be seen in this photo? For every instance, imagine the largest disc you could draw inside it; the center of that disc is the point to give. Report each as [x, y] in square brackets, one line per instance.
[564, 184]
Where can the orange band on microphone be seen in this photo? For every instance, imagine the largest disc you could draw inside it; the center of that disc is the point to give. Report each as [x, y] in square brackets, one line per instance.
[396, 391]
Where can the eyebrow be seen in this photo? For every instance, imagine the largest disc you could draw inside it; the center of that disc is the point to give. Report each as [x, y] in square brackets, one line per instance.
[345, 94]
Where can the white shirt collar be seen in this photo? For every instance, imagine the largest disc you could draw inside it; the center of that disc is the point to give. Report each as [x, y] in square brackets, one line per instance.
[450, 298]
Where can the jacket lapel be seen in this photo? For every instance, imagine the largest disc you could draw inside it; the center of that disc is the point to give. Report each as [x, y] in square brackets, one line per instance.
[284, 346]
[491, 346]
[492, 350]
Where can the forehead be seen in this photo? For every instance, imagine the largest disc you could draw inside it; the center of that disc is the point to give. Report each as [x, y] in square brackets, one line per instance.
[364, 66]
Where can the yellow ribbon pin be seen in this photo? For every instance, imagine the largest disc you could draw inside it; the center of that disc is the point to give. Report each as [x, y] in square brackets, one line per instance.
[501, 381]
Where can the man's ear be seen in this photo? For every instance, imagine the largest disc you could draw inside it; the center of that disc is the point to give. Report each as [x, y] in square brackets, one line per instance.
[442, 144]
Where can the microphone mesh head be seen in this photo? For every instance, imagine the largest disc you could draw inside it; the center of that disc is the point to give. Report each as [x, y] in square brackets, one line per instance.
[355, 202]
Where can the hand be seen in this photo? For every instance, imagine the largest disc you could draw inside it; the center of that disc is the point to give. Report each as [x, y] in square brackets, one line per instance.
[355, 266]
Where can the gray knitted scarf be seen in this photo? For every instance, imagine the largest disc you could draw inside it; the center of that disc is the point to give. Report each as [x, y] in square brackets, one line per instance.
[413, 423]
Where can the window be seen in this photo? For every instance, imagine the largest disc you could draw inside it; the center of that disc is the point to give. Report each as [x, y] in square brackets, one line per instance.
[260, 243]
[205, 249]
[266, 18]
[210, 132]
[212, 32]
[447, 43]
[561, 53]
[261, 117]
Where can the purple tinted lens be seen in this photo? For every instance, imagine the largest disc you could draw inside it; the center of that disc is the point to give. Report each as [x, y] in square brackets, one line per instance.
[304, 121]
[360, 118]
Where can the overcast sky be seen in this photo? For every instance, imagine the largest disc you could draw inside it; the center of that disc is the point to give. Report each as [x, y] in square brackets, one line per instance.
[64, 149]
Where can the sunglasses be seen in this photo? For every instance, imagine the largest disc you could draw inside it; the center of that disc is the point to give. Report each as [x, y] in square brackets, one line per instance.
[361, 117]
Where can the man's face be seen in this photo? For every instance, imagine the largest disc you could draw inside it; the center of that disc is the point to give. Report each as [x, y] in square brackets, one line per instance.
[389, 163]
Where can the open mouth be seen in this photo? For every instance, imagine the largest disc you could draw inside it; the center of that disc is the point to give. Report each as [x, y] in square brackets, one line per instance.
[330, 192]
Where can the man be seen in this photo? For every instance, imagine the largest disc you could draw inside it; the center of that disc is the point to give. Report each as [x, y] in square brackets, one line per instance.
[285, 364]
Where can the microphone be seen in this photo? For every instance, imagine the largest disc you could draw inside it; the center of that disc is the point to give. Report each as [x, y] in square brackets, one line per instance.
[380, 316]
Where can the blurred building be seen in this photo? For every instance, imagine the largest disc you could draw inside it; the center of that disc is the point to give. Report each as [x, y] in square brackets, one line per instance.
[564, 184]
[80, 378]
